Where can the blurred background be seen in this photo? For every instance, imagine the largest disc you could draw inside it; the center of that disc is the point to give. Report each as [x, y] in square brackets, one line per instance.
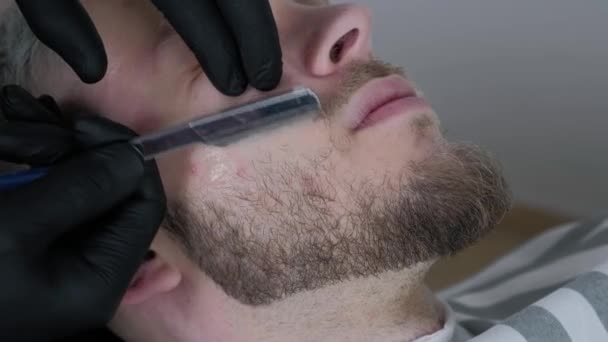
[528, 80]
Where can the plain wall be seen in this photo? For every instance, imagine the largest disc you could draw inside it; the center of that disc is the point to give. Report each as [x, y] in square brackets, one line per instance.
[527, 79]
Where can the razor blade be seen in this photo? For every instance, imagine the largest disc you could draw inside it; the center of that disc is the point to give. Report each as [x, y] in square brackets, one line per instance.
[217, 129]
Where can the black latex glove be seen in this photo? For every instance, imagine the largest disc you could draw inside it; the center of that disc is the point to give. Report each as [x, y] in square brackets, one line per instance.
[70, 242]
[235, 41]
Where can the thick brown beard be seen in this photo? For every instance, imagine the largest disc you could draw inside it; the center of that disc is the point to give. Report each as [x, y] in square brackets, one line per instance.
[433, 208]
[448, 201]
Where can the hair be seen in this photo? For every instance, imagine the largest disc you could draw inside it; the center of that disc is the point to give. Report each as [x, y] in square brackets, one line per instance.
[19, 48]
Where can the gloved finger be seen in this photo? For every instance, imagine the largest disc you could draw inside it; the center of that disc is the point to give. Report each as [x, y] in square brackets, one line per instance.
[50, 104]
[132, 225]
[105, 257]
[202, 27]
[17, 104]
[34, 144]
[77, 191]
[125, 235]
[253, 26]
[92, 131]
[65, 27]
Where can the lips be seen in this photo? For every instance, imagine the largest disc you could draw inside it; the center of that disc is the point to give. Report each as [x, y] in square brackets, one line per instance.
[369, 101]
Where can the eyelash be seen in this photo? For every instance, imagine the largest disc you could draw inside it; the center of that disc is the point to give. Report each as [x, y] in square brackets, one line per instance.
[317, 3]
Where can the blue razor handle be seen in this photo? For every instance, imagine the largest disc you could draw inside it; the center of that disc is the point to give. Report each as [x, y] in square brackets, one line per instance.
[17, 179]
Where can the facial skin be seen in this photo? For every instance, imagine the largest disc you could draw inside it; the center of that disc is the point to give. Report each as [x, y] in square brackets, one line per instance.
[313, 209]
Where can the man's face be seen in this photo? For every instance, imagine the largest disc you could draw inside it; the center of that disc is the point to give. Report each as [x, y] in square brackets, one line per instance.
[348, 194]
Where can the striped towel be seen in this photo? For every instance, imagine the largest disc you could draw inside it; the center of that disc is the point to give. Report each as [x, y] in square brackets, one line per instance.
[553, 288]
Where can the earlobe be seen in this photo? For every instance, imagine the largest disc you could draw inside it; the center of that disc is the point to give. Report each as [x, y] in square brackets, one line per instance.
[154, 277]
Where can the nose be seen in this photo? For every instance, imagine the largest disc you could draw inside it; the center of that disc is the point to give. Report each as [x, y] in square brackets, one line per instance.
[344, 37]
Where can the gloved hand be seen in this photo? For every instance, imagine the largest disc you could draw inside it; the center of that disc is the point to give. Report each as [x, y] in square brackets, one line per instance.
[70, 242]
[236, 41]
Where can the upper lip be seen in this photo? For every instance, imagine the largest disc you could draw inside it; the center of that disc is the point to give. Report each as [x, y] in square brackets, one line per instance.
[374, 95]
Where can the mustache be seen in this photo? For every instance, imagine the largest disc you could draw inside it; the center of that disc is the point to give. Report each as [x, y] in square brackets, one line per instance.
[356, 75]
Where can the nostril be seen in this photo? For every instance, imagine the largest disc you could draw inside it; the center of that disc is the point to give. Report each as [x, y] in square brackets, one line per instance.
[341, 47]
[336, 52]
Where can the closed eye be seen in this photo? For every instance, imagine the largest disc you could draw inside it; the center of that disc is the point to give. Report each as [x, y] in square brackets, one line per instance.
[318, 3]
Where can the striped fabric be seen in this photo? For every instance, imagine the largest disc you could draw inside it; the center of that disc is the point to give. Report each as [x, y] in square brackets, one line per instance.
[553, 288]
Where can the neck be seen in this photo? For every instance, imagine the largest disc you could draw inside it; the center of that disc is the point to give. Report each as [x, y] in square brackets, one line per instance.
[393, 306]
[389, 307]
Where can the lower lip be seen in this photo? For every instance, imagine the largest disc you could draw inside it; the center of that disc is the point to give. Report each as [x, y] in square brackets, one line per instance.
[402, 106]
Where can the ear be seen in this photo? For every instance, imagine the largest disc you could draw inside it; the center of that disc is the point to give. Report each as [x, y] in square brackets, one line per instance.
[154, 277]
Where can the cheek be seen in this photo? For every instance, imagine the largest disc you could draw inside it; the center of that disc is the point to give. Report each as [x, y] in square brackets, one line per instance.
[213, 173]
[144, 122]
[213, 167]
[200, 172]
[210, 172]
[121, 97]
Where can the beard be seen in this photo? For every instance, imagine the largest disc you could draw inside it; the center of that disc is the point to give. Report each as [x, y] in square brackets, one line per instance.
[278, 239]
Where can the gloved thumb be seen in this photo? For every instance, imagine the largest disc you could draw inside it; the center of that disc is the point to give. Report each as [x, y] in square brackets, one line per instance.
[92, 131]
[74, 192]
